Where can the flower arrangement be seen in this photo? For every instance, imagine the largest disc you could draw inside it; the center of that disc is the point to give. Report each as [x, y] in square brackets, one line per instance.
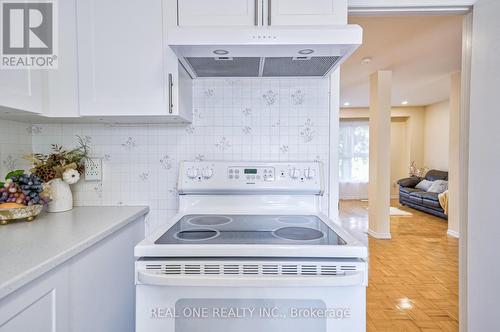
[63, 164]
[416, 171]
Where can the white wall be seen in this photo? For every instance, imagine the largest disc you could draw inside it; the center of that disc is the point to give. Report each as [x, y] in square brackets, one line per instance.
[400, 157]
[436, 136]
[483, 231]
[15, 143]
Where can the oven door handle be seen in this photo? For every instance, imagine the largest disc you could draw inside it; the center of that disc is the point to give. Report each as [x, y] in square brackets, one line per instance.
[340, 280]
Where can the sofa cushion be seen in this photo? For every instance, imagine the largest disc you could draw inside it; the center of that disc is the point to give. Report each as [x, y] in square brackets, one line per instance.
[438, 186]
[426, 199]
[407, 190]
[424, 185]
[416, 197]
[409, 182]
[434, 175]
[430, 196]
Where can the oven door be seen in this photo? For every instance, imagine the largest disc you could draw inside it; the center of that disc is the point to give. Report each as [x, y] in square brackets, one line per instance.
[184, 303]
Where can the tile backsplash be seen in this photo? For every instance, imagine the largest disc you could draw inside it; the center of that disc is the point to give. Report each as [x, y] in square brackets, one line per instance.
[234, 119]
[15, 143]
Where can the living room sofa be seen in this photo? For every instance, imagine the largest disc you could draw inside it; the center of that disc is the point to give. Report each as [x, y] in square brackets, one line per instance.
[420, 199]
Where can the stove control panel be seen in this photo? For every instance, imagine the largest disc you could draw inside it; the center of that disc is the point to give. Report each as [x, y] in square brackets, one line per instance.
[250, 174]
[217, 177]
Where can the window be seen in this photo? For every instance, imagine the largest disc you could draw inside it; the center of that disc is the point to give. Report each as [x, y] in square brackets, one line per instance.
[353, 151]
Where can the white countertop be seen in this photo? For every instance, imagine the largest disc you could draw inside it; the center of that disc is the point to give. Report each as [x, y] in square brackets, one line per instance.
[30, 249]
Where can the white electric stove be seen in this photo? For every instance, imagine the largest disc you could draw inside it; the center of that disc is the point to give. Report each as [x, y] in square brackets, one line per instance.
[250, 250]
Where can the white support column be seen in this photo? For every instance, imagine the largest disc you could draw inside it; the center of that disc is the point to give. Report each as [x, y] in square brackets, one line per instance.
[380, 155]
[454, 173]
[333, 174]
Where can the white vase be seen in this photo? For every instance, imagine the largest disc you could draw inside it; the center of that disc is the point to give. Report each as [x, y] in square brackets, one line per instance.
[62, 198]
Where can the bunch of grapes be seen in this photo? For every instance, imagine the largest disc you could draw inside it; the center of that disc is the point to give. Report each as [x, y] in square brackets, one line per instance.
[24, 189]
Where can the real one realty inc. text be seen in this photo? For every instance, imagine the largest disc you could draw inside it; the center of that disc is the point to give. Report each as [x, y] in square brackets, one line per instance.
[249, 312]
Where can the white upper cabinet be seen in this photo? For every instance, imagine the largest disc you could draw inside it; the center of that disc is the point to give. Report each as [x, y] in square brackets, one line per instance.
[124, 65]
[61, 95]
[261, 12]
[219, 12]
[306, 12]
[22, 89]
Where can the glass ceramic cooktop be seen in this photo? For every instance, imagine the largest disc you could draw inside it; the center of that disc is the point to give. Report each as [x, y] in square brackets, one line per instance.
[250, 229]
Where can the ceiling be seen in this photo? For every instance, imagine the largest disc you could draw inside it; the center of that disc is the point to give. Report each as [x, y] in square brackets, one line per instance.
[421, 51]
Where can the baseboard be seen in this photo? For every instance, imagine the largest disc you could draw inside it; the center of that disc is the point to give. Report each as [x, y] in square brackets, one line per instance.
[379, 236]
[453, 233]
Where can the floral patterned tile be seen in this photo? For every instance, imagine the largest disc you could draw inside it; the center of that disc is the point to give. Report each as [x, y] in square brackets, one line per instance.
[240, 119]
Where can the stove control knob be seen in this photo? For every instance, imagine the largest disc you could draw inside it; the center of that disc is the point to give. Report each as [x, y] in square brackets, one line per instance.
[294, 173]
[309, 173]
[207, 173]
[192, 173]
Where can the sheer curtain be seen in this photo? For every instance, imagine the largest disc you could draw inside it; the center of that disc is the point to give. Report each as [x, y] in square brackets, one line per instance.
[353, 159]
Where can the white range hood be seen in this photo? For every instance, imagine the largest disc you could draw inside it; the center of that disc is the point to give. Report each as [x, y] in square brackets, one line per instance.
[305, 51]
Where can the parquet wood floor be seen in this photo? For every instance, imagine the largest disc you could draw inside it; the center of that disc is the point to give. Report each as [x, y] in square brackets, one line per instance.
[413, 278]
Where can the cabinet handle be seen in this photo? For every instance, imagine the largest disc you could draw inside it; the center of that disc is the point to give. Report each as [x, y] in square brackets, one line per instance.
[170, 90]
[269, 12]
[256, 22]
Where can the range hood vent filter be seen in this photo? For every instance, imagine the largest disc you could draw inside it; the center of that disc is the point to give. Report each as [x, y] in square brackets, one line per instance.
[213, 67]
[272, 67]
[311, 67]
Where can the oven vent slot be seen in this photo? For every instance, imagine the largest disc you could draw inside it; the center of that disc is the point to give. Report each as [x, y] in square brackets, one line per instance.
[309, 270]
[328, 270]
[270, 269]
[165, 269]
[154, 267]
[211, 269]
[192, 269]
[289, 269]
[348, 268]
[251, 269]
[232, 269]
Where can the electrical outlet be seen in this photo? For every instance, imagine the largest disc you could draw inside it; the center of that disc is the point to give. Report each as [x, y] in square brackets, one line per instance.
[93, 169]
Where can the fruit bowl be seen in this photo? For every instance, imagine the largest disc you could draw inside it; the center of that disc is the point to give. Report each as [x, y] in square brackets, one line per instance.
[26, 212]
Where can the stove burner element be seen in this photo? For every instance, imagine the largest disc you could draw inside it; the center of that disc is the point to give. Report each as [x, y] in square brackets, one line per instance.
[298, 233]
[294, 220]
[209, 220]
[196, 234]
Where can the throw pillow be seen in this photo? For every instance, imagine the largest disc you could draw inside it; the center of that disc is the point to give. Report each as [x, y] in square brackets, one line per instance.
[424, 185]
[438, 187]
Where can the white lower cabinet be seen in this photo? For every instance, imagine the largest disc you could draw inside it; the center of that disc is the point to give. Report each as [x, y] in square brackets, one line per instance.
[93, 291]
[41, 306]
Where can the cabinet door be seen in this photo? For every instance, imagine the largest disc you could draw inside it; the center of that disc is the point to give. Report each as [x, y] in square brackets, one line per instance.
[122, 67]
[40, 306]
[219, 12]
[102, 283]
[307, 12]
[22, 89]
[62, 86]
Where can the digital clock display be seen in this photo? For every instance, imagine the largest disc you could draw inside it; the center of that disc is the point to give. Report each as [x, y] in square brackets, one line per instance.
[250, 171]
